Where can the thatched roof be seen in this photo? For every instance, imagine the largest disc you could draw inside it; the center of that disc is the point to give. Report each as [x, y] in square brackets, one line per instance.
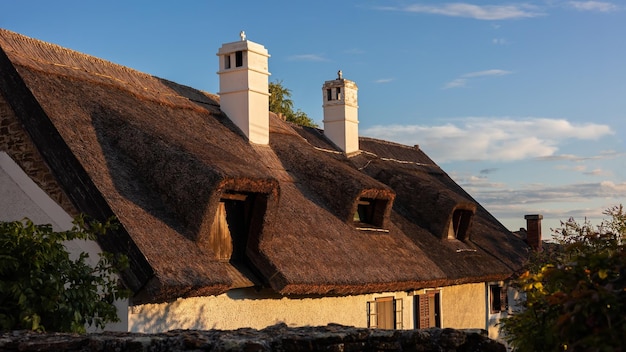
[160, 157]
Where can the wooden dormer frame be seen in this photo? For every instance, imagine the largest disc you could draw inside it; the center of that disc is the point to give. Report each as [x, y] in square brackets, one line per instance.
[370, 214]
[460, 223]
[238, 221]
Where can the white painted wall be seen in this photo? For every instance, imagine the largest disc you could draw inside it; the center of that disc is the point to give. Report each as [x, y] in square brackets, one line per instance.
[21, 198]
[462, 307]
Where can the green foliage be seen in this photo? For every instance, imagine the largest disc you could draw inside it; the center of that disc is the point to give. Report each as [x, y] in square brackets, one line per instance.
[280, 103]
[42, 288]
[575, 294]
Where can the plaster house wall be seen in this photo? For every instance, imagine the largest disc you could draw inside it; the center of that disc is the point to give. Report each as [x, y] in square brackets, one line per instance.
[21, 198]
[248, 308]
[463, 306]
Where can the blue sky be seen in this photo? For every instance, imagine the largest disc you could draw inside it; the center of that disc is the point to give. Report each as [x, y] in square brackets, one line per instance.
[522, 103]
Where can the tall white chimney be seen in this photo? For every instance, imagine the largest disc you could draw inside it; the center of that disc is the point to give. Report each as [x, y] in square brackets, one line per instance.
[341, 113]
[244, 93]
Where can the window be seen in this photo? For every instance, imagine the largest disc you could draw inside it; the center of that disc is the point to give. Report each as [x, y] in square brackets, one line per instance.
[461, 220]
[498, 299]
[329, 94]
[239, 58]
[370, 212]
[338, 93]
[235, 218]
[427, 310]
[227, 61]
[384, 313]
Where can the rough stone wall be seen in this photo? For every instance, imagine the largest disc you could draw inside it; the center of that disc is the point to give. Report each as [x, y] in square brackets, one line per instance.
[274, 338]
[17, 144]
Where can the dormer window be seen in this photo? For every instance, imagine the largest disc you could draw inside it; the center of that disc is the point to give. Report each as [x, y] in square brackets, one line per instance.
[370, 213]
[234, 219]
[461, 221]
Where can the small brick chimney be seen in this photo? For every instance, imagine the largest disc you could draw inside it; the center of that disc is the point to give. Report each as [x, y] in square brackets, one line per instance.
[533, 231]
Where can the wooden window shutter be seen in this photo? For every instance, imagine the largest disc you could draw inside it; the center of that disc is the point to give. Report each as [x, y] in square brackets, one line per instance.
[220, 239]
[504, 299]
[423, 312]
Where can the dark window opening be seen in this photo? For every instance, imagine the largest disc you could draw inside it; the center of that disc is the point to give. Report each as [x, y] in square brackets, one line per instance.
[461, 220]
[338, 93]
[227, 61]
[329, 94]
[427, 310]
[238, 58]
[498, 299]
[384, 313]
[370, 212]
[238, 216]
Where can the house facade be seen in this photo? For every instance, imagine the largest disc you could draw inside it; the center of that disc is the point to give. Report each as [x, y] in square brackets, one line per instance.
[232, 217]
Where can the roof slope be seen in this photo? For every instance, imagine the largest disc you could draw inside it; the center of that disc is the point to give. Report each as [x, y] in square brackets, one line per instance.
[160, 156]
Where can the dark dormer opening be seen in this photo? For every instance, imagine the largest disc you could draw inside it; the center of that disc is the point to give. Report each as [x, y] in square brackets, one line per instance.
[238, 58]
[239, 217]
[226, 61]
[461, 221]
[370, 213]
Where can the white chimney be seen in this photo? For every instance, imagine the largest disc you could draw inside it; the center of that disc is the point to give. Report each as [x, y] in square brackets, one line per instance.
[341, 113]
[244, 93]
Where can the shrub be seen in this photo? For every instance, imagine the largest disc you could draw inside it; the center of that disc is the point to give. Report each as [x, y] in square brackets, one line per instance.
[42, 288]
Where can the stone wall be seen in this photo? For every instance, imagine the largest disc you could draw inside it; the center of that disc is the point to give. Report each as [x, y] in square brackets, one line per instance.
[275, 338]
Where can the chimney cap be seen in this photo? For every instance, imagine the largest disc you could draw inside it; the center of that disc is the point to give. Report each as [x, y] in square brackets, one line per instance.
[533, 217]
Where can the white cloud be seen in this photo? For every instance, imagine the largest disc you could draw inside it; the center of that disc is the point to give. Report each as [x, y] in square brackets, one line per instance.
[479, 12]
[545, 194]
[499, 41]
[493, 72]
[597, 6]
[597, 172]
[463, 79]
[307, 57]
[496, 139]
[457, 83]
[384, 80]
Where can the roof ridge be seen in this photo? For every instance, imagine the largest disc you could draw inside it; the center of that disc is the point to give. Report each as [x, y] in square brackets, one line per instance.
[15, 39]
[383, 141]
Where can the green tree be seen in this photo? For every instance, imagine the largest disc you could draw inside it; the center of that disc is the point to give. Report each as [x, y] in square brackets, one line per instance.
[281, 103]
[42, 288]
[575, 292]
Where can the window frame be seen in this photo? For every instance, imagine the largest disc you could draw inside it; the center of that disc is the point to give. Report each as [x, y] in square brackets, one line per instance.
[370, 214]
[498, 298]
[396, 312]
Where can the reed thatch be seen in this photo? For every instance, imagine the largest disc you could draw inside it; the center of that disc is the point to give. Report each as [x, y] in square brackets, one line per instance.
[160, 156]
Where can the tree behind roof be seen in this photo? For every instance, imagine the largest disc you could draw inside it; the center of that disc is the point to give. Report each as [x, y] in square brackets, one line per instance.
[575, 291]
[281, 103]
